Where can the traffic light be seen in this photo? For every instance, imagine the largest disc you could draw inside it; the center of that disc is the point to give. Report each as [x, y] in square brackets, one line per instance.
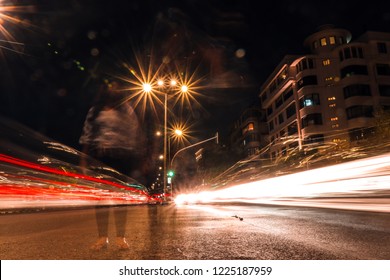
[171, 173]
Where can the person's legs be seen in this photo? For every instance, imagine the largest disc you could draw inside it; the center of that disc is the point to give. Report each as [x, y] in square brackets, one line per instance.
[125, 165]
[102, 216]
[120, 214]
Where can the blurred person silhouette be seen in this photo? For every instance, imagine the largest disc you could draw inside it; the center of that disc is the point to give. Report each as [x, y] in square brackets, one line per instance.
[112, 134]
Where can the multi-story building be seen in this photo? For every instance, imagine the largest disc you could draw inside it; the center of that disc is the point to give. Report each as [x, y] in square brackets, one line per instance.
[248, 133]
[329, 95]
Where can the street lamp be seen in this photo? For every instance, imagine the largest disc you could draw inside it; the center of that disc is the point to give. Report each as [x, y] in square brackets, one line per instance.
[178, 132]
[183, 89]
[175, 135]
[165, 141]
[147, 85]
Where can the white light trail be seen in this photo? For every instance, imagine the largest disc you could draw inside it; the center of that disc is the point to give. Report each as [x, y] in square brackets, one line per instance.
[356, 185]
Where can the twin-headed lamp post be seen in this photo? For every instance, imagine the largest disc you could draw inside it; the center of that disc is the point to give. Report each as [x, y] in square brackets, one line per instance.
[147, 87]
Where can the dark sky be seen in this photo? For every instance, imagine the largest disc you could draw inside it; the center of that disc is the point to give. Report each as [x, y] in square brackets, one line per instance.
[70, 45]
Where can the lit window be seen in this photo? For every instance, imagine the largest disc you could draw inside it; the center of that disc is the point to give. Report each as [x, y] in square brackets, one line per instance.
[326, 62]
[335, 125]
[332, 105]
[331, 98]
[328, 79]
[334, 119]
[308, 102]
[332, 40]
[249, 127]
[323, 41]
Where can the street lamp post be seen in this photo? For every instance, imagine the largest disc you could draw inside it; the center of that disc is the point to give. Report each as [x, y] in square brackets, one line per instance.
[183, 89]
[147, 88]
[165, 141]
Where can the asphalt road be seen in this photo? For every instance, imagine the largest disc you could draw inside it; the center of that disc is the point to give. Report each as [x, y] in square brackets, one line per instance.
[206, 232]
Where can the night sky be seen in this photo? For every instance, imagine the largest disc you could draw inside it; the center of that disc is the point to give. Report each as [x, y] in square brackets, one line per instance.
[66, 47]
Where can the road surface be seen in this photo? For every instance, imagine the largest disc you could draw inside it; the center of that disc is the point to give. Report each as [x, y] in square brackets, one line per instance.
[201, 232]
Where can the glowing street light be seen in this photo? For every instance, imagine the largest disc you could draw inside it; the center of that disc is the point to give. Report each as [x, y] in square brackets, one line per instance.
[176, 135]
[173, 83]
[146, 89]
[7, 16]
[160, 83]
[147, 86]
[178, 132]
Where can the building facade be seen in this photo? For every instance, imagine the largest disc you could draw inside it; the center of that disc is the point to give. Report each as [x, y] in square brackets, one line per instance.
[249, 133]
[330, 95]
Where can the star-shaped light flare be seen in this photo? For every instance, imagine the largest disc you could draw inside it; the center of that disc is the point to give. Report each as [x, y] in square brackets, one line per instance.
[8, 22]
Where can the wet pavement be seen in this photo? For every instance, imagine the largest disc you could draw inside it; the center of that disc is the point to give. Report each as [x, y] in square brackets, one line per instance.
[200, 232]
